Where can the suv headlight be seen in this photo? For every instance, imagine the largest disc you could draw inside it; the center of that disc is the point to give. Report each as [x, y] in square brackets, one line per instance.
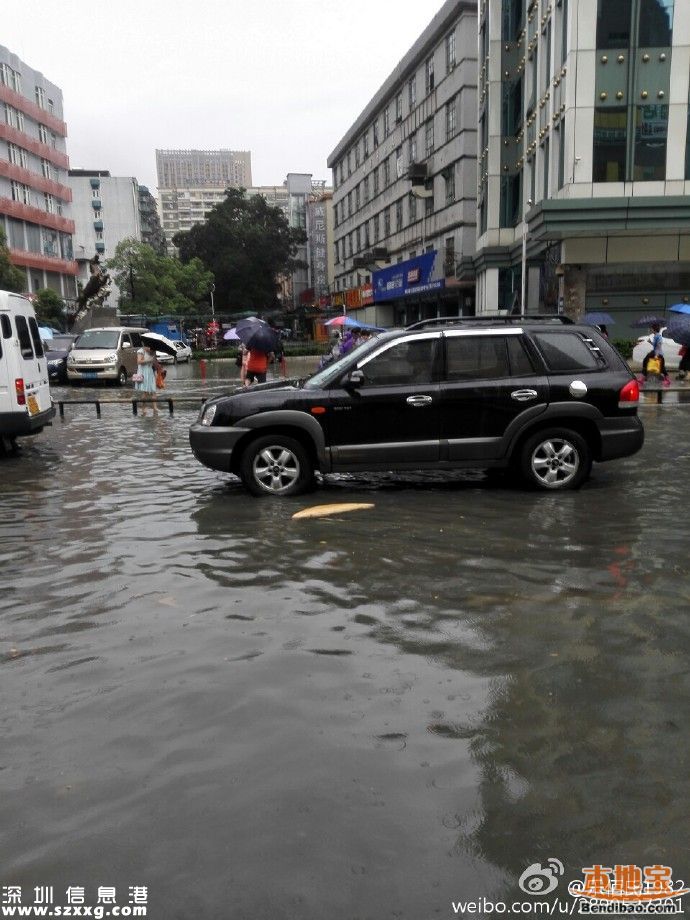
[207, 415]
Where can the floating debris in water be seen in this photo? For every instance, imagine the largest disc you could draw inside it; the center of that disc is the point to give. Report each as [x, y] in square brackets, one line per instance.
[325, 510]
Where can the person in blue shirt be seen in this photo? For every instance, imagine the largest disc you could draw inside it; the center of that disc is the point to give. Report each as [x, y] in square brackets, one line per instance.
[656, 352]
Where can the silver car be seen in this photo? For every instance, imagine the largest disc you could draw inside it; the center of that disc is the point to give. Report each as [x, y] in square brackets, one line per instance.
[108, 353]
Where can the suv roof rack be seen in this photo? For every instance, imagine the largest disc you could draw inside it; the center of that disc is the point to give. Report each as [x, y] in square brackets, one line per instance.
[492, 318]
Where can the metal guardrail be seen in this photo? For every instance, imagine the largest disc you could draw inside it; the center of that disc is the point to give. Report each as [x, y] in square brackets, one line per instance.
[134, 403]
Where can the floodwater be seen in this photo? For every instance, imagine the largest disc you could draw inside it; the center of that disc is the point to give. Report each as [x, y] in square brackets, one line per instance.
[358, 717]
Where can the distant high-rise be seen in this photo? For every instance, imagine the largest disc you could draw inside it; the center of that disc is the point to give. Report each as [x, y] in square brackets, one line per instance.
[192, 182]
[34, 193]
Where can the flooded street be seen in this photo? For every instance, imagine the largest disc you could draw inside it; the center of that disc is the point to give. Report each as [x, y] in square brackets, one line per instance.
[357, 717]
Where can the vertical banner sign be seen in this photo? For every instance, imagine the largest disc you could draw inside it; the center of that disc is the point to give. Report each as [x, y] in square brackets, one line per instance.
[317, 248]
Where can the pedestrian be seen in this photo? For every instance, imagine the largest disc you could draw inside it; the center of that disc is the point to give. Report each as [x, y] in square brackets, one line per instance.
[657, 353]
[350, 341]
[241, 361]
[146, 357]
[684, 365]
[257, 365]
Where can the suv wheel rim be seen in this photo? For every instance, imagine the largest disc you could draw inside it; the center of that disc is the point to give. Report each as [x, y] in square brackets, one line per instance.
[276, 469]
[555, 462]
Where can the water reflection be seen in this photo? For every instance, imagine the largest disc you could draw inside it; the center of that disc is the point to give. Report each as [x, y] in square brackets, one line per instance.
[357, 716]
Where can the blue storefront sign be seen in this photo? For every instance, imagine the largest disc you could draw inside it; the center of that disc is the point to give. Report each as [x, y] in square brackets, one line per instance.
[406, 278]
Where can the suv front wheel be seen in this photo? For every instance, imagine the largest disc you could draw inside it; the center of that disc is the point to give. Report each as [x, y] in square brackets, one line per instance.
[276, 465]
[555, 458]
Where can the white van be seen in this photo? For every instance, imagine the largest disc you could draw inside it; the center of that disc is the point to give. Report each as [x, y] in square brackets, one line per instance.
[25, 403]
[106, 353]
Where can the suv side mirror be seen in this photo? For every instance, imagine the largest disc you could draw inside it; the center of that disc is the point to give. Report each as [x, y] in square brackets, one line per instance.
[354, 379]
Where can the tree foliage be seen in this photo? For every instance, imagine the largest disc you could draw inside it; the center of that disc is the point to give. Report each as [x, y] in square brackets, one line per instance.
[50, 308]
[247, 244]
[154, 284]
[11, 277]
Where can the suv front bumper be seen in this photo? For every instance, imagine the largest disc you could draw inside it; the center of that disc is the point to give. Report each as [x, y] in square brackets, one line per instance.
[214, 446]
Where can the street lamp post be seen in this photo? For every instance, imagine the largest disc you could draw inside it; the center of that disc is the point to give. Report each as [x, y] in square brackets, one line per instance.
[213, 312]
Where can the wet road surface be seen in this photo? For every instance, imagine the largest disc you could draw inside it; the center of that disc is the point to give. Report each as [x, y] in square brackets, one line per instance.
[362, 716]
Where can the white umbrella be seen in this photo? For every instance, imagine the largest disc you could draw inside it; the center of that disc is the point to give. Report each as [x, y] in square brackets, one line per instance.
[232, 335]
[45, 332]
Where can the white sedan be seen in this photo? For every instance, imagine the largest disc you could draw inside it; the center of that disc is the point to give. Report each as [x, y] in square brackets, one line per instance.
[669, 348]
[184, 353]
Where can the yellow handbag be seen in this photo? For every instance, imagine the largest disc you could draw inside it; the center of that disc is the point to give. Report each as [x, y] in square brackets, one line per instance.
[654, 365]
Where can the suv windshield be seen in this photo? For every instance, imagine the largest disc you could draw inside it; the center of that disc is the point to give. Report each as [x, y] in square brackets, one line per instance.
[327, 374]
[98, 338]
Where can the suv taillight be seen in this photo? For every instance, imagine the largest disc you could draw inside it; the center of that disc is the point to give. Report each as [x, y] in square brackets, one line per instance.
[629, 395]
[19, 390]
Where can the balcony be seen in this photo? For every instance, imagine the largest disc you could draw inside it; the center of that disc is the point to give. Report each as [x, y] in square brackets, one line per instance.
[96, 204]
[95, 182]
[100, 246]
[98, 225]
[417, 173]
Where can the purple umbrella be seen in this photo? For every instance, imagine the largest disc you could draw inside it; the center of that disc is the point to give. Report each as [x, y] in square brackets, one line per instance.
[644, 321]
[232, 335]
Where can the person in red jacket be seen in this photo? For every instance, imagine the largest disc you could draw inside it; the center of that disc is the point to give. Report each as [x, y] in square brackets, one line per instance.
[257, 364]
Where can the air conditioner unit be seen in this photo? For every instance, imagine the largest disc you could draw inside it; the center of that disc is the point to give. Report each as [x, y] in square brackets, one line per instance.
[417, 173]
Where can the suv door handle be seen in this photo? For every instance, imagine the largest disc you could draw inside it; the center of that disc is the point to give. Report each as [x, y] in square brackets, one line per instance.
[523, 395]
[420, 400]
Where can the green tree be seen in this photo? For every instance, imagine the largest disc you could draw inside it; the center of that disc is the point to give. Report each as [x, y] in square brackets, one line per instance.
[50, 308]
[154, 284]
[247, 244]
[11, 277]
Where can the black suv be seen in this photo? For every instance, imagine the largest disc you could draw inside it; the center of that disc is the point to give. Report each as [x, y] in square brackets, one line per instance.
[536, 395]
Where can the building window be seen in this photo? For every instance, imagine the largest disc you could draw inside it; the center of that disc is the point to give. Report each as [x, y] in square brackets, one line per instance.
[49, 203]
[376, 133]
[429, 137]
[349, 162]
[399, 214]
[375, 175]
[449, 179]
[413, 148]
[356, 155]
[412, 207]
[429, 75]
[14, 117]
[17, 155]
[365, 144]
[451, 118]
[365, 187]
[609, 146]
[386, 172]
[357, 197]
[412, 92]
[511, 192]
[20, 193]
[43, 134]
[651, 132]
[386, 122]
[449, 257]
[40, 97]
[450, 51]
[386, 222]
[429, 206]
[398, 107]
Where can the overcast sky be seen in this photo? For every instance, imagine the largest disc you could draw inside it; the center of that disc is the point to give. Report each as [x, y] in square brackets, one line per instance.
[281, 78]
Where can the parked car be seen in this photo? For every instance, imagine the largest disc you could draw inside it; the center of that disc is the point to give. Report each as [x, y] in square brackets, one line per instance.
[542, 397]
[57, 350]
[107, 353]
[25, 403]
[670, 348]
[184, 353]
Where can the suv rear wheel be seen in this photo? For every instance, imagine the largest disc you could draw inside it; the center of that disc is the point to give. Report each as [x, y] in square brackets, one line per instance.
[276, 465]
[555, 458]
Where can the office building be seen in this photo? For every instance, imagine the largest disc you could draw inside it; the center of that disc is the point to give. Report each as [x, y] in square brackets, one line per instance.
[151, 230]
[192, 182]
[404, 182]
[584, 161]
[34, 193]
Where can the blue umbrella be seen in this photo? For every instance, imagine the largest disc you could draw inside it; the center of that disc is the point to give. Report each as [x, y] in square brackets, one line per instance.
[680, 308]
[599, 319]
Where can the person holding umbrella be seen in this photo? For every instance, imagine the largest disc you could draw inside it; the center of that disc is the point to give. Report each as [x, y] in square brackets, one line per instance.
[261, 341]
[145, 380]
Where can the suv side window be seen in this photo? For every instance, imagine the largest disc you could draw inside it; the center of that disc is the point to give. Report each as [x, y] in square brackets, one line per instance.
[568, 351]
[126, 339]
[136, 339]
[407, 361]
[5, 326]
[520, 361]
[477, 357]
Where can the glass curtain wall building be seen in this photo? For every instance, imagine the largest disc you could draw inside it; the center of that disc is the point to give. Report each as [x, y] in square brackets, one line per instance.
[583, 155]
